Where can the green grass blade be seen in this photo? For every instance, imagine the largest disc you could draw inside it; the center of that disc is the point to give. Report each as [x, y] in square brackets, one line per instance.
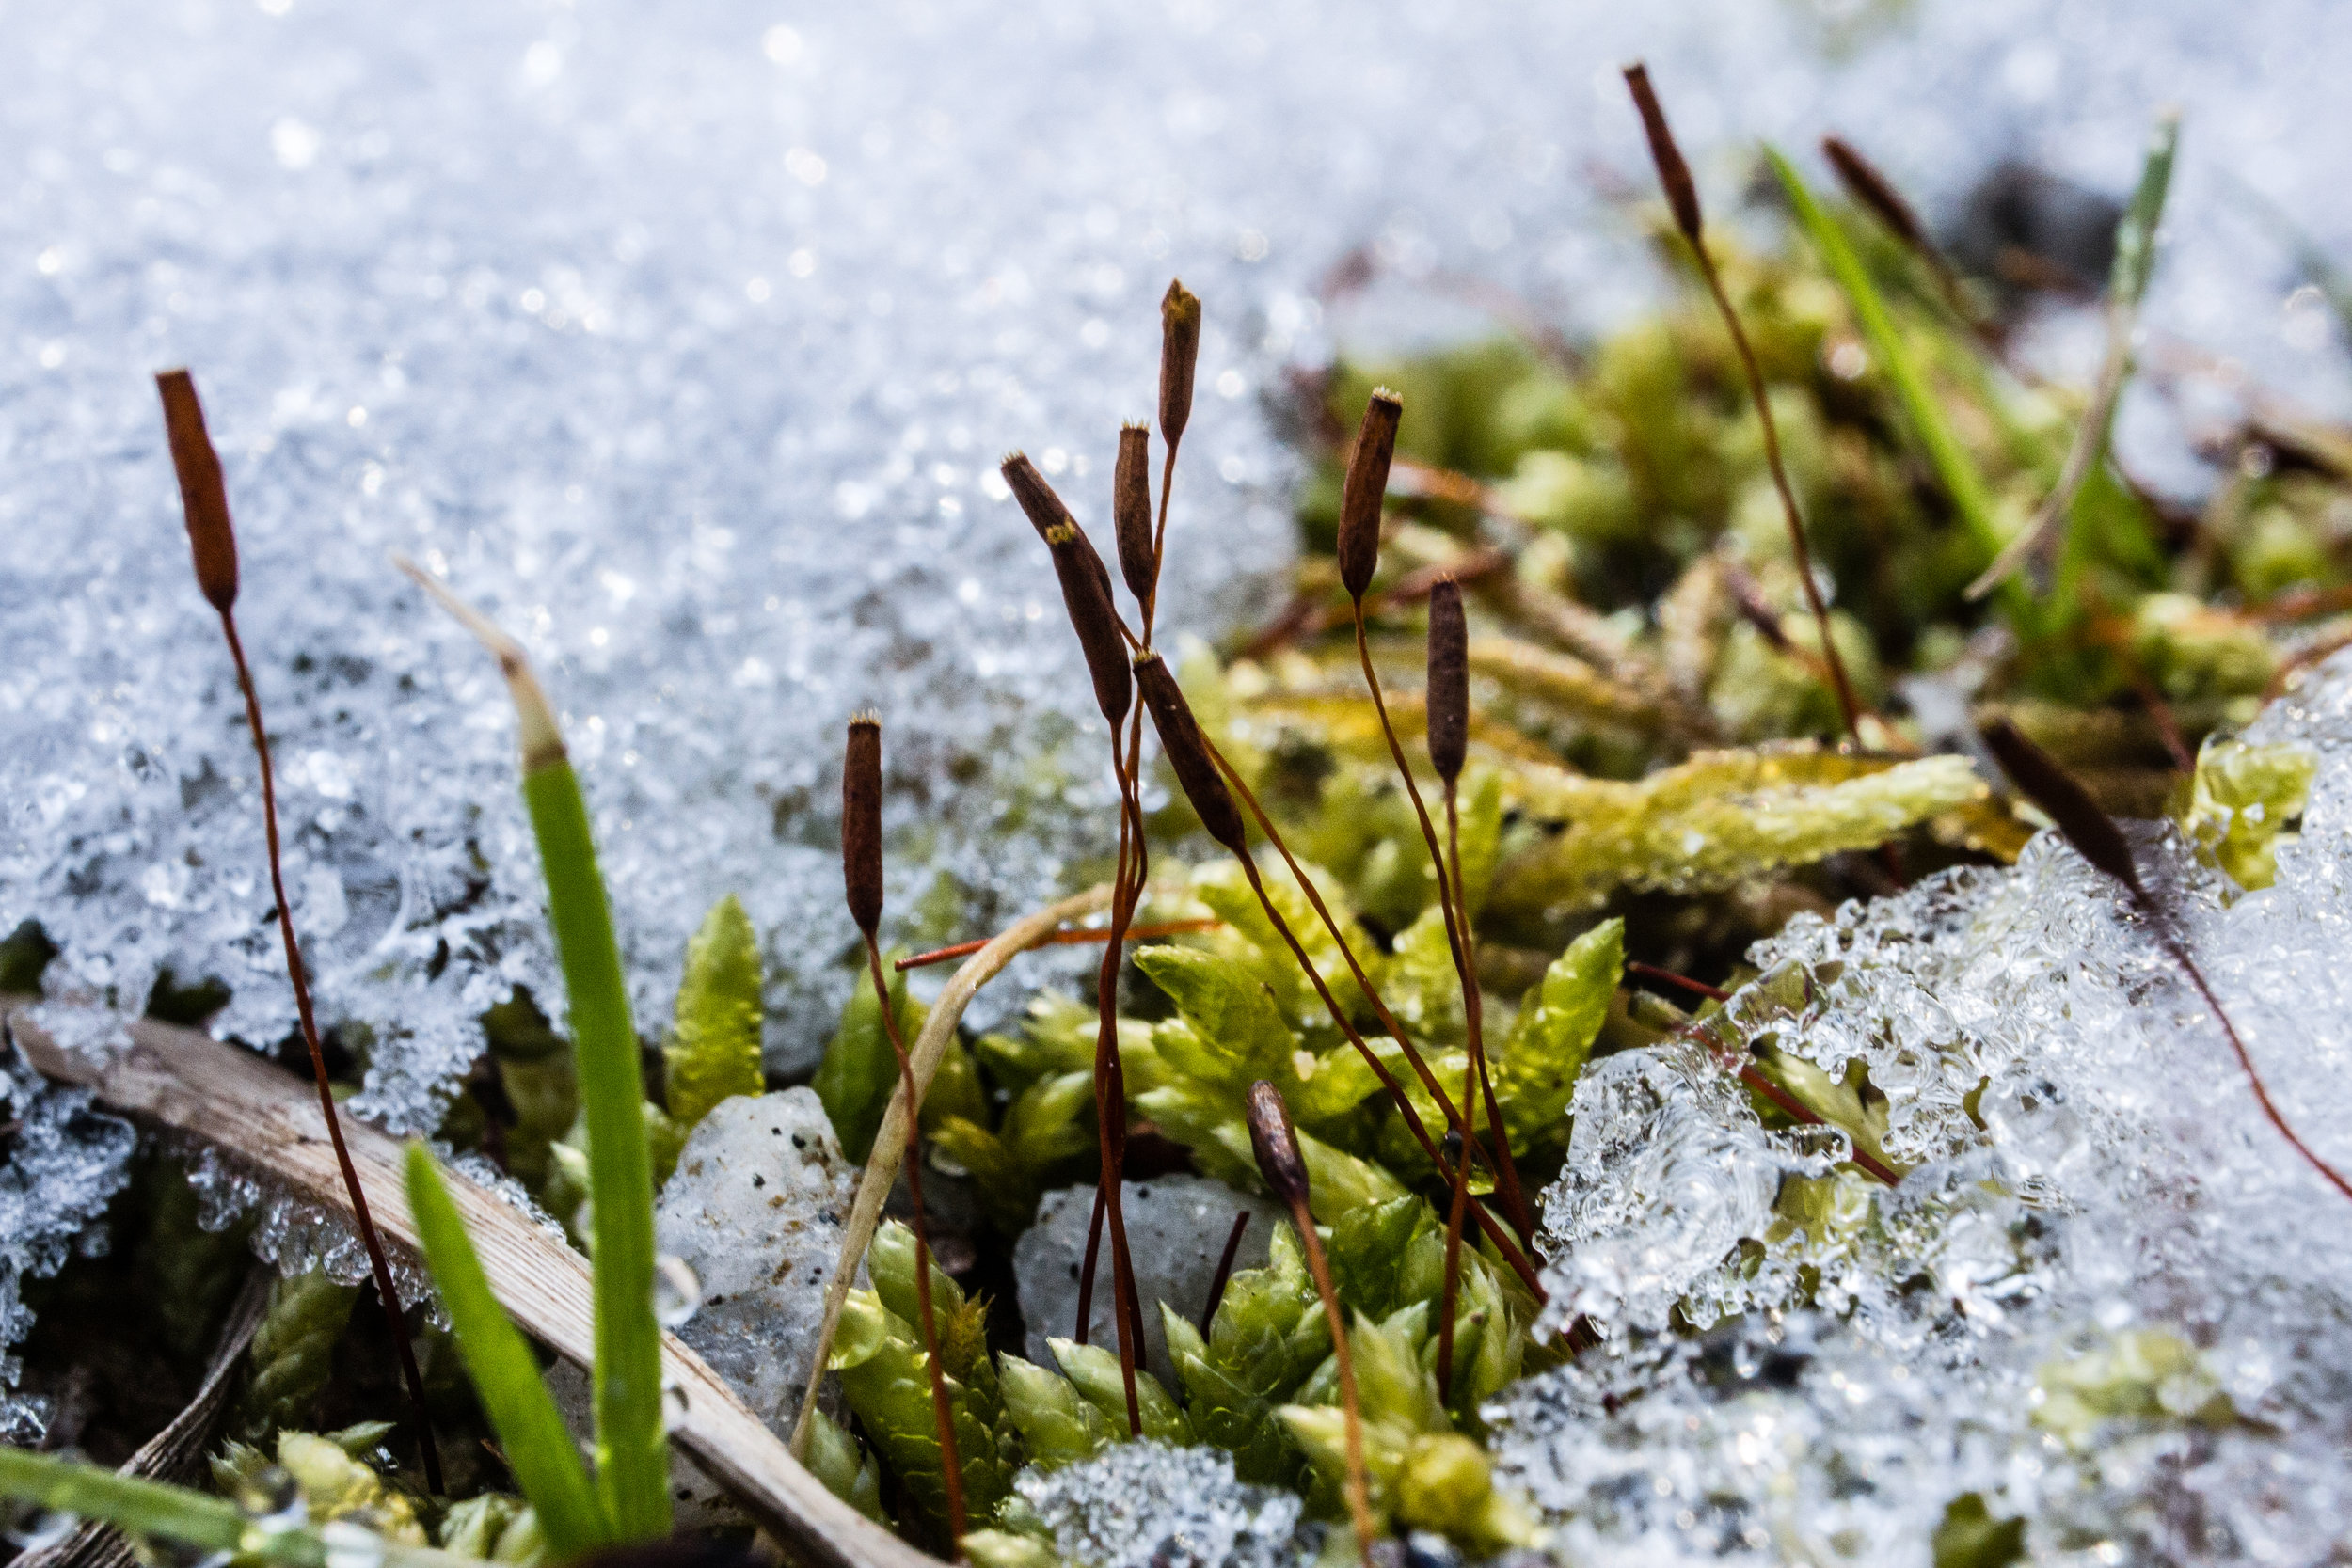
[213, 1527]
[632, 1447]
[538, 1448]
[1945, 454]
[2135, 236]
[149, 1508]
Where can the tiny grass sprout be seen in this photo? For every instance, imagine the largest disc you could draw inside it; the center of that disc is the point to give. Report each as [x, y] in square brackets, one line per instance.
[862, 879]
[632, 1437]
[213, 545]
[2037, 545]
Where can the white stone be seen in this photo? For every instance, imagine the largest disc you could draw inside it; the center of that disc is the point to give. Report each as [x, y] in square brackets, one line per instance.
[1176, 1230]
[756, 1208]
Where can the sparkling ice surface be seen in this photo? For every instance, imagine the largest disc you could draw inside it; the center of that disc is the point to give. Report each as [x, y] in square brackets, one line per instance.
[1143, 1505]
[685, 339]
[2113, 1299]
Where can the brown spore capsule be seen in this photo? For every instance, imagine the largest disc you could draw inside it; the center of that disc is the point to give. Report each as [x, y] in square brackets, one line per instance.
[1085, 586]
[1189, 753]
[1448, 696]
[1673, 175]
[1086, 596]
[1179, 356]
[2089, 829]
[1037, 498]
[1275, 1142]
[203, 497]
[1872, 189]
[861, 822]
[1131, 513]
[1365, 488]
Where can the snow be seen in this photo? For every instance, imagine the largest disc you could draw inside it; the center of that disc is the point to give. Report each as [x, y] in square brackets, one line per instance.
[1139, 1504]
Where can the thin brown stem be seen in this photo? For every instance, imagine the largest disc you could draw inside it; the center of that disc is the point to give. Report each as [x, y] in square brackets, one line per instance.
[1451, 1292]
[1504, 1242]
[943, 1413]
[1847, 705]
[1159, 536]
[1110, 1109]
[378, 1265]
[1796, 1109]
[2179, 952]
[1078, 937]
[1363, 981]
[1224, 1271]
[1085, 1271]
[1697, 987]
[1473, 1078]
[1474, 1010]
[1358, 1484]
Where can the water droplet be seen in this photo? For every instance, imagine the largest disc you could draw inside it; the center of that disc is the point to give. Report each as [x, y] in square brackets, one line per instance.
[673, 1406]
[32, 1526]
[272, 1499]
[352, 1545]
[676, 1292]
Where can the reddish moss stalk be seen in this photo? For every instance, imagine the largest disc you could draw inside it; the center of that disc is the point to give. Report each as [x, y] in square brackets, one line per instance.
[1504, 1242]
[862, 879]
[1275, 1145]
[1674, 176]
[1224, 1271]
[212, 542]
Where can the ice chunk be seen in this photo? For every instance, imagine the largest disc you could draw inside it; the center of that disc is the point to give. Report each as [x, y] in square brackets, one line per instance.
[297, 1235]
[2092, 1177]
[65, 1163]
[755, 1209]
[1176, 1231]
[1667, 1175]
[1145, 1505]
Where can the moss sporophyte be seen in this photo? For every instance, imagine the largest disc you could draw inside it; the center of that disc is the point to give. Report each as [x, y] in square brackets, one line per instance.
[1606, 669]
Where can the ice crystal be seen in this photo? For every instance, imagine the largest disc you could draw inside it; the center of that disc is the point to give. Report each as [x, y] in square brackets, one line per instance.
[1145, 1505]
[65, 1163]
[2107, 1298]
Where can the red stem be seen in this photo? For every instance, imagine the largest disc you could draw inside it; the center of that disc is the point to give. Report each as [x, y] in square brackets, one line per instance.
[377, 1265]
[943, 1413]
[1697, 987]
[1506, 1170]
[1085, 1271]
[2245, 1059]
[1224, 1271]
